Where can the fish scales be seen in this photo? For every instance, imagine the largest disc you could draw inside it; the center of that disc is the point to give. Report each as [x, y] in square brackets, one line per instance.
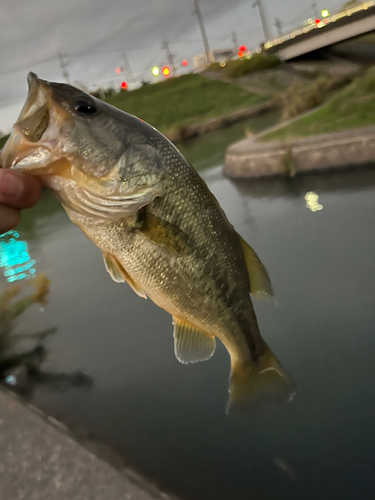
[159, 227]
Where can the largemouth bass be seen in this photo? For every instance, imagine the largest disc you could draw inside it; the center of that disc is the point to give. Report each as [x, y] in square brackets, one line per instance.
[160, 229]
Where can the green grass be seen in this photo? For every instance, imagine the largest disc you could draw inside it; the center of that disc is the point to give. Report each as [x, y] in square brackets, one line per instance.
[352, 107]
[241, 67]
[187, 100]
[258, 62]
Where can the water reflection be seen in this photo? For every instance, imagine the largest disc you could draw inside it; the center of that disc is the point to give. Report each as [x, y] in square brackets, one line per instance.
[312, 201]
[168, 419]
[22, 354]
[14, 258]
[329, 182]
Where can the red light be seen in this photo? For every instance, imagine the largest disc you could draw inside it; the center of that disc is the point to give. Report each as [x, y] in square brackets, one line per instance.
[184, 62]
[317, 21]
[166, 71]
[124, 85]
[118, 70]
[242, 48]
[240, 53]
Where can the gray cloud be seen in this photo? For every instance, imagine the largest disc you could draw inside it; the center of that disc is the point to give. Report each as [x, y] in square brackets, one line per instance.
[33, 32]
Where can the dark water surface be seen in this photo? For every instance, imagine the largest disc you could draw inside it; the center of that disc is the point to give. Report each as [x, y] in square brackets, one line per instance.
[209, 150]
[168, 420]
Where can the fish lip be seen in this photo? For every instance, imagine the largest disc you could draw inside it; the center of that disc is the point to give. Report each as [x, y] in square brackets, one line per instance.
[29, 134]
[39, 94]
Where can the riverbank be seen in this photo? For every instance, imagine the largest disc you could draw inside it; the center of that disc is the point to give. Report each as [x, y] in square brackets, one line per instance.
[349, 108]
[335, 135]
[40, 459]
[351, 148]
[186, 101]
[193, 131]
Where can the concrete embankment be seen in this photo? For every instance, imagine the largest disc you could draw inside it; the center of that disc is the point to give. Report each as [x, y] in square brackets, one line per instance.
[39, 459]
[222, 121]
[350, 148]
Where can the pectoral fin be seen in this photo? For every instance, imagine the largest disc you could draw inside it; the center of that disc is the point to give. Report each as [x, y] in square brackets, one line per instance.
[260, 283]
[191, 345]
[119, 275]
[162, 232]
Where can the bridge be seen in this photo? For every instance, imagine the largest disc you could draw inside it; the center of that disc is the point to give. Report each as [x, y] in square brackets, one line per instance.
[322, 33]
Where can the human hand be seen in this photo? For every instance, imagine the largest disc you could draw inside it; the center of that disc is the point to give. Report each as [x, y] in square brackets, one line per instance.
[17, 191]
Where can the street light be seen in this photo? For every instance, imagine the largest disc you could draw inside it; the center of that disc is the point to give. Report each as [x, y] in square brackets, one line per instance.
[166, 71]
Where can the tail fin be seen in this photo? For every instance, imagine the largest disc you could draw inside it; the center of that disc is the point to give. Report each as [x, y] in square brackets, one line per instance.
[265, 381]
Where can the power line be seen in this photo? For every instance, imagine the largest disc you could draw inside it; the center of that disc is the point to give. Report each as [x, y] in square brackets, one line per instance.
[64, 68]
[235, 40]
[128, 70]
[27, 66]
[315, 10]
[170, 57]
[197, 12]
[279, 25]
[263, 18]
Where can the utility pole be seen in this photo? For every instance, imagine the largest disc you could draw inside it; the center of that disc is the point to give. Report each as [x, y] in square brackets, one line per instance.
[197, 12]
[263, 17]
[63, 67]
[278, 25]
[170, 57]
[315, 9]
[128, 70]
[101, 93]
[235, 41]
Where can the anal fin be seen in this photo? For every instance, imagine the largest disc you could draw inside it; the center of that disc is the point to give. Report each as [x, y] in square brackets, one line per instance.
[119, 274]
[191, 345]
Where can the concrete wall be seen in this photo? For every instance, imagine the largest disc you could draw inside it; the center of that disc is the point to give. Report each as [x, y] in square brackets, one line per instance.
[324, 37]
[342, 149]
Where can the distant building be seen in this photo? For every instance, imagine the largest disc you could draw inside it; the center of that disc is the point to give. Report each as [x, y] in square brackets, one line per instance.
[218, 55]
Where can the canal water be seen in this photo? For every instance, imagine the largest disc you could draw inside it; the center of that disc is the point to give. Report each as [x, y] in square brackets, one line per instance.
[315, 234]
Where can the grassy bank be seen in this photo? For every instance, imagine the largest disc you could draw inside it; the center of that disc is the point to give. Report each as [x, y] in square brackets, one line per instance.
[183, 101]
[241, 67]
[352, 107]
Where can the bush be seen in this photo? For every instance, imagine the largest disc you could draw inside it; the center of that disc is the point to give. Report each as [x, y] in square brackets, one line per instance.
[214, 67]
[258, 62]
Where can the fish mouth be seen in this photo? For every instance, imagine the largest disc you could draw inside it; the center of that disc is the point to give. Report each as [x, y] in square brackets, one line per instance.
[40, 145]
[34, 136]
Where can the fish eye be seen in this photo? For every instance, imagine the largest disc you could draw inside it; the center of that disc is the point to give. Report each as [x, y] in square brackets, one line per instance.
[85, 106]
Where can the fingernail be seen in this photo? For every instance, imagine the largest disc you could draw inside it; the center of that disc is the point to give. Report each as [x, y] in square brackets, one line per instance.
[10, 185]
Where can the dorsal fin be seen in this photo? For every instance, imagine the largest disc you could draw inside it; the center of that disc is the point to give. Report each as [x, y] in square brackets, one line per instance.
[191, 345]
[260, 283]
[119, 274]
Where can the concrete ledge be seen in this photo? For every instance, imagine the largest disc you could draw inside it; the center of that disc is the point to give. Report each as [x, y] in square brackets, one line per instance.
[40, 460]
[350, 148]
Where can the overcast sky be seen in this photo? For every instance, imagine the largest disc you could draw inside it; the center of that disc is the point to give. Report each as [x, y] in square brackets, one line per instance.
[92, 34]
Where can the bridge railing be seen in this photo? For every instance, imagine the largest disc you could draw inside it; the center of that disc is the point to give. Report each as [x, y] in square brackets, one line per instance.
[321, 24]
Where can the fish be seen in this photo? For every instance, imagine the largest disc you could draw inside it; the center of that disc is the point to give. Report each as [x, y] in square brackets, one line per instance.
[160, 229]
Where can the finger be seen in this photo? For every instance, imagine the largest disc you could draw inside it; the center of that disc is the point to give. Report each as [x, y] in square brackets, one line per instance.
[18, 190]
[9, 218]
